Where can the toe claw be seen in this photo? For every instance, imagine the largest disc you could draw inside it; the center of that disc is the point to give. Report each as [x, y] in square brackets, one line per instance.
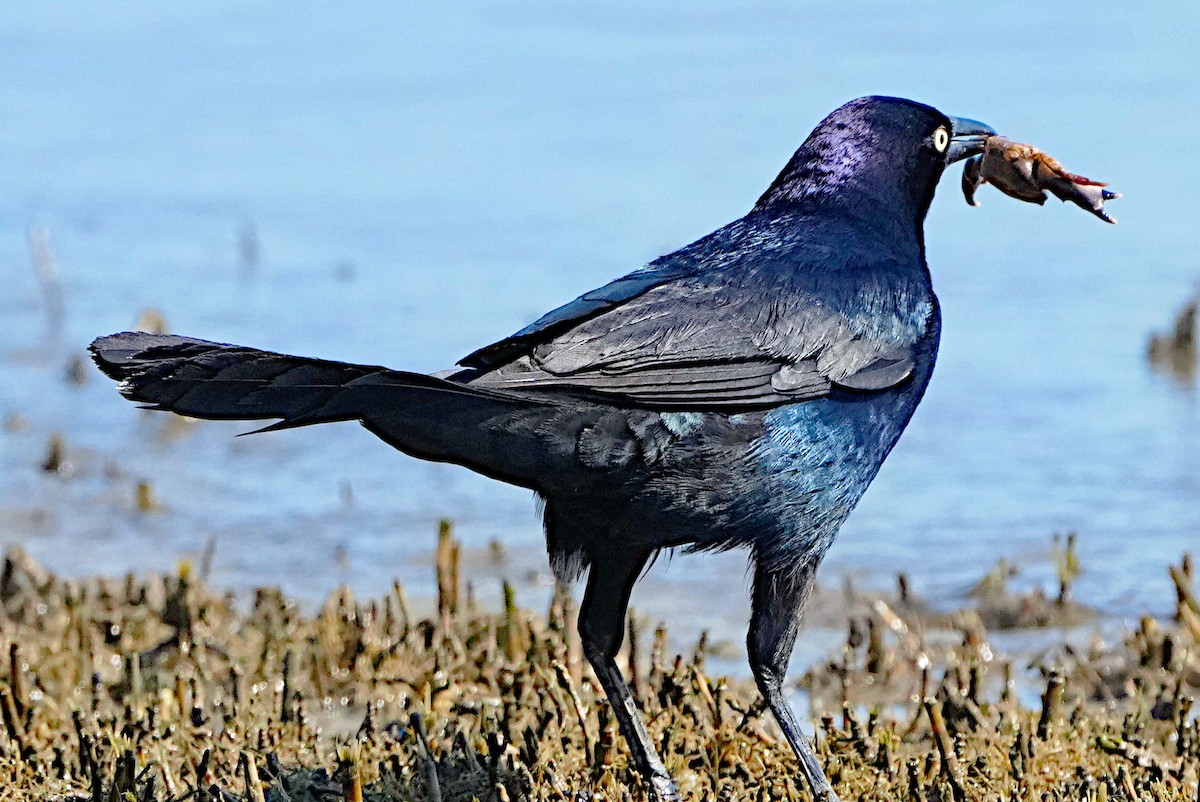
[664, 789]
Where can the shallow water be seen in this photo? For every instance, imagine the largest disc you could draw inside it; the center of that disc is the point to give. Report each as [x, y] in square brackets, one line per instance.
[418, 183]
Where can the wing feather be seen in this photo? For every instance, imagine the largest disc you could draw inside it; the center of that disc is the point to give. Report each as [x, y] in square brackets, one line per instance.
[746, 318]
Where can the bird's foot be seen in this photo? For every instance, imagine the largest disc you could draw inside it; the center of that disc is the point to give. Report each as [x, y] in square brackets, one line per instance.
[820, 789]
[663, 788]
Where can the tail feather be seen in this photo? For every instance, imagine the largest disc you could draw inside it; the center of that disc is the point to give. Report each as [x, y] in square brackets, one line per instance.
[204, 379]
[509, 435]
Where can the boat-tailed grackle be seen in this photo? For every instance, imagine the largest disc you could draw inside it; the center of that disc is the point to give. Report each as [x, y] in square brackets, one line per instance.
[740, 392]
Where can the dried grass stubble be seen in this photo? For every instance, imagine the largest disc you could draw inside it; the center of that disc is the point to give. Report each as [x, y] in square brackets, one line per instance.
[158, 688]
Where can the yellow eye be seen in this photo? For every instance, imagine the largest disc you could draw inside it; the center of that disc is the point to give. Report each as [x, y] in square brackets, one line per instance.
[941, 140]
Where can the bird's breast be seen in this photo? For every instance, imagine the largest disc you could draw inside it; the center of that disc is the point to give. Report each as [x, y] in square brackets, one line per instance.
[816, 459]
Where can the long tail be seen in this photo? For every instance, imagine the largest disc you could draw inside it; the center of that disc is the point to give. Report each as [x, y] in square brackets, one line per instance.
[498, 434]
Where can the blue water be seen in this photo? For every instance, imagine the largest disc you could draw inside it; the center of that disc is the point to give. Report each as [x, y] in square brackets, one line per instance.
[419, 182]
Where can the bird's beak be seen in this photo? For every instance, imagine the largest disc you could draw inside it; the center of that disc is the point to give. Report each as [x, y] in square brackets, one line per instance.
[966, 138]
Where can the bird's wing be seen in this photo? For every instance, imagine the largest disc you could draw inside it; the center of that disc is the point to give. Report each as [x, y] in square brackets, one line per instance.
[771, 326]
[586, 306]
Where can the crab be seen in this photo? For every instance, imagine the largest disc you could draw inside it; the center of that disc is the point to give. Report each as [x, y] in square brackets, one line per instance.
[1026, 173]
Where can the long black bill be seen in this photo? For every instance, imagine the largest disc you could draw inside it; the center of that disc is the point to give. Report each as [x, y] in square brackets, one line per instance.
[966, 138]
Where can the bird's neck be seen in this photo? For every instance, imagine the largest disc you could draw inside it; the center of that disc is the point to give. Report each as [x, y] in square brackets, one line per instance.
[893, 233]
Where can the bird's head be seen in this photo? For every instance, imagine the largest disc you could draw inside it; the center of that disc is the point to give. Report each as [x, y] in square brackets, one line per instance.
[878, 156]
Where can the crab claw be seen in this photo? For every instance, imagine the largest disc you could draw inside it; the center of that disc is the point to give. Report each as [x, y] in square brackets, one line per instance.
[972, 178]
[1089, 197]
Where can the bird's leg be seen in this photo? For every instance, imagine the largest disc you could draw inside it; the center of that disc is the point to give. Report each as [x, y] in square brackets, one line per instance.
[779, 599]
[601, 629]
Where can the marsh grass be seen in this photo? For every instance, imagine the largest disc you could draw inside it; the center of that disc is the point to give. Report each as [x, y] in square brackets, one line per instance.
[161, 688]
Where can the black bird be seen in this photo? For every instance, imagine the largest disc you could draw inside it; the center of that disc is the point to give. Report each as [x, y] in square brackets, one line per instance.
[740, 392]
